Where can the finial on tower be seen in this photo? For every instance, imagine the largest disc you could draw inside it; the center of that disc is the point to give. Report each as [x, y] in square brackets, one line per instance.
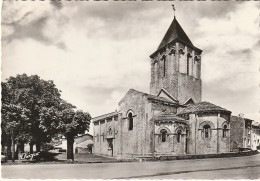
[173, 9]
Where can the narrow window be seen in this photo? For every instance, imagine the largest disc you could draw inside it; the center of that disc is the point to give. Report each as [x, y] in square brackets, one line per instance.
[179, 136]
[130, 119]
[110, 132]
[206, 130]
[225, 130]
[164, 67]
[163, 134]
[188, 63]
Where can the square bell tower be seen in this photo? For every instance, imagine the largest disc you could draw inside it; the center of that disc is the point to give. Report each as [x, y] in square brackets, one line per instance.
[176, 66]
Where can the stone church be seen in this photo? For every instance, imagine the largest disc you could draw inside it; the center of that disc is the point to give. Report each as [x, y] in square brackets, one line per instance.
[171, 119]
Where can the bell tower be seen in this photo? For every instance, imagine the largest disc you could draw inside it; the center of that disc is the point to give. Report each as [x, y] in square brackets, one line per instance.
[176, 66]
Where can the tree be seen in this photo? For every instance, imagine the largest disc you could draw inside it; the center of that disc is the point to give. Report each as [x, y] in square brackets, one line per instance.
[36, 96]
[14, 123]
[73, 123]
[34, 112]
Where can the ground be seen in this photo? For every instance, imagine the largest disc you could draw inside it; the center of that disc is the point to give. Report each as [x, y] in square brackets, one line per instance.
[215, 168]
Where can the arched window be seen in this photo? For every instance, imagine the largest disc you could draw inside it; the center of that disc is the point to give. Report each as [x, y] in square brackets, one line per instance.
[181, 52]
[225, 131]
[172, 52]
[164, 135]
[109, 132]
[164, 67]
[206, 131]
[179, 136]
[188, 63]
[155, 68]
[130, 120]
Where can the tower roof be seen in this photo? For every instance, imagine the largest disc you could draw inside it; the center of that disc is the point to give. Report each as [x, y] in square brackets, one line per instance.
[174, 32]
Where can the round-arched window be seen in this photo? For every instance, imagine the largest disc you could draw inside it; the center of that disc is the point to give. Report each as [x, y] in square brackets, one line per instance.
[206, 131]
[225, 131]
[188, 63]
[179, 136]
[130, 120]
[163, 135]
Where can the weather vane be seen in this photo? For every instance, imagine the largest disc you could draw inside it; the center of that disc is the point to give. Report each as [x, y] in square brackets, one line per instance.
[173, 9]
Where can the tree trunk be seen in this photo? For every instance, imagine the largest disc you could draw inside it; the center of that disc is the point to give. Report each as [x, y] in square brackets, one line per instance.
[38, 146]
[9, 152]
[70, 141]
[31, 148]
[13, 146]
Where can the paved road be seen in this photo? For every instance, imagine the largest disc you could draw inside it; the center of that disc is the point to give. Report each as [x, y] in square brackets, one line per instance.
[215, 168]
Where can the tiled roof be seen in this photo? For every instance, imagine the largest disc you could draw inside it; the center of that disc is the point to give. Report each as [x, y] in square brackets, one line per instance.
[203, 107]
[105, 116]
[153, 97]
[161, 99]
[168, 117]
[175, 31]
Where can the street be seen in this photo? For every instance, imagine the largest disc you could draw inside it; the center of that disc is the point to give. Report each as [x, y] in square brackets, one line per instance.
[247, 167]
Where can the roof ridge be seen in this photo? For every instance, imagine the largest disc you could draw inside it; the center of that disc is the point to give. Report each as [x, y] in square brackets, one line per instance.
[175, 31]
[204, 106]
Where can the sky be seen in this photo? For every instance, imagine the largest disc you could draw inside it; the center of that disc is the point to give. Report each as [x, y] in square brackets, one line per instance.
[96, 51]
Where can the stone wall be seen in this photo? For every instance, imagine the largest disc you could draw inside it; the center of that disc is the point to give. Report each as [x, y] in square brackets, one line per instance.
[215, 143]
[171, 145]
[177, 82]
[169, 82]
[101, 136]
[134, 142]
[189, 87]
[237, 125]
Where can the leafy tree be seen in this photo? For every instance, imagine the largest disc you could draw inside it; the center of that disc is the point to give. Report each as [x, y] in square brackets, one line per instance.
[34, 95]
[14, 123]
[71, 124]
[34, 112]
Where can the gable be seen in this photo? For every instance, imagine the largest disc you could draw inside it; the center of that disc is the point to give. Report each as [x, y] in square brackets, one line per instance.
[163, 93]
[189, 101]
[130, 95]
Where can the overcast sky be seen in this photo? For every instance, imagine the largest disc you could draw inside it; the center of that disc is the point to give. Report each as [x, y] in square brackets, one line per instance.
[96, 51]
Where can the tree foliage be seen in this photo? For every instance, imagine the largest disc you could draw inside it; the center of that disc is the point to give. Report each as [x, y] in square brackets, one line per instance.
[34, 109]
[33, 96]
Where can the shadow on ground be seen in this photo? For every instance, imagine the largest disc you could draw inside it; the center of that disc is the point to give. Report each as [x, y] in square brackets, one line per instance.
[87, 158]
[62, 159]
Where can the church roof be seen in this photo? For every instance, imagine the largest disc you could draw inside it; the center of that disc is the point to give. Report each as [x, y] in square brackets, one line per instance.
[168, 117]
[160, 99]
[174, 32]
[203, 107]
[154, 97]
[104, 116]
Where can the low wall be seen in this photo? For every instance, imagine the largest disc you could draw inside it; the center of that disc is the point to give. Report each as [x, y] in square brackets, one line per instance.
[184, 157]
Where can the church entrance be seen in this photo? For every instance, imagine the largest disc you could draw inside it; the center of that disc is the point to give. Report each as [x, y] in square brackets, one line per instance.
[110, 146]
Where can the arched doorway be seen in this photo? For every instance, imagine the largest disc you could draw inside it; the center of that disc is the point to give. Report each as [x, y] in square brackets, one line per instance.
[110, 146]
